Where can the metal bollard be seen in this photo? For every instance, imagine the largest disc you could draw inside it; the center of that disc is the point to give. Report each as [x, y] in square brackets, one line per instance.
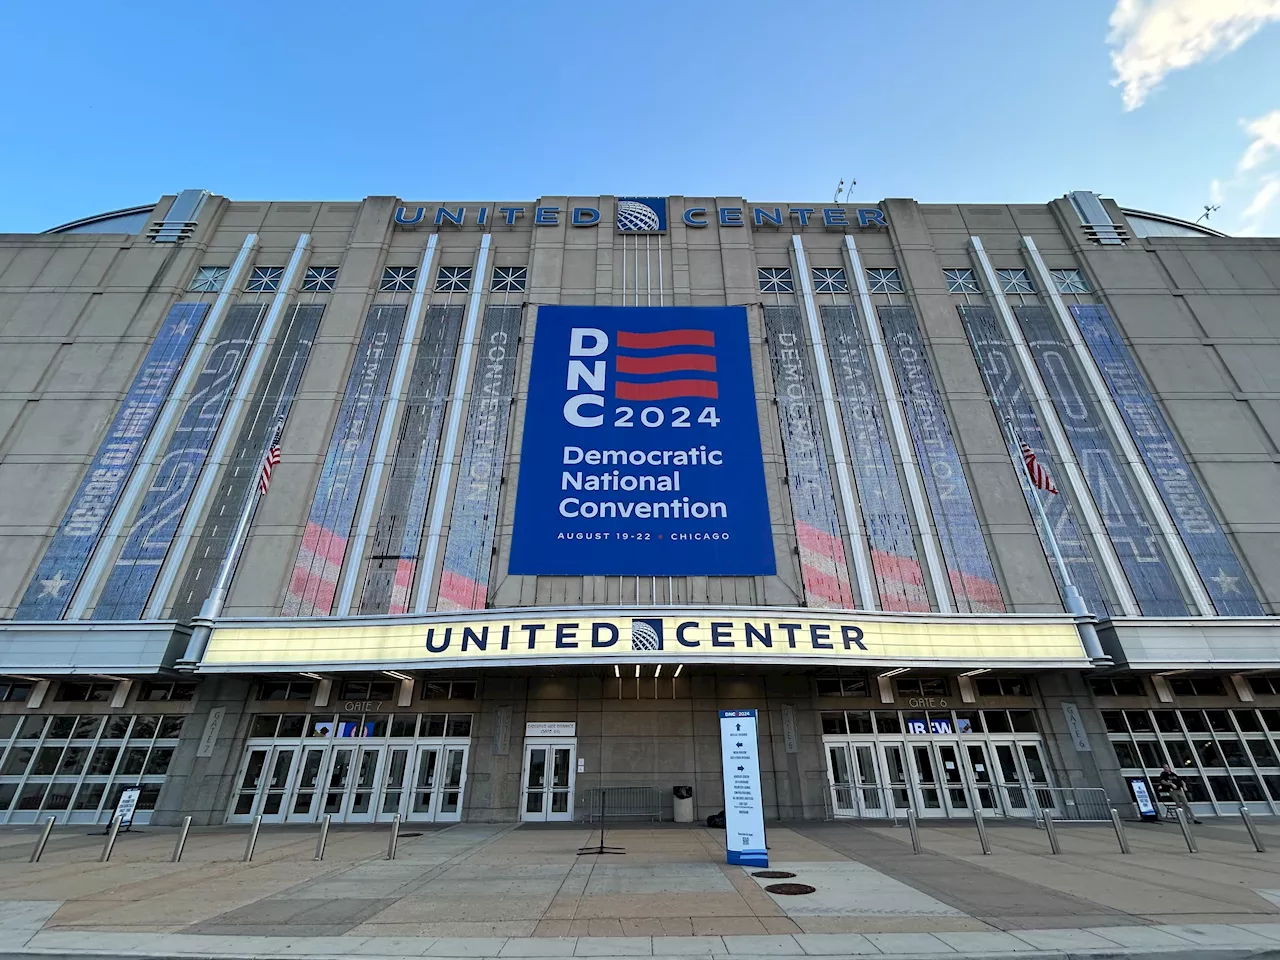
[182, 840]
[44, 838]
[982, 831]
[915, 831]
[1186, 830]
[1253, 830]
[111, 839]
[1120, 834]
[253, 838]
[1052, 831]
[324, 836]
[395, 837]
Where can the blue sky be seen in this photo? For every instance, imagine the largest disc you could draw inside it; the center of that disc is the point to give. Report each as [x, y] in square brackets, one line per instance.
[990, 100]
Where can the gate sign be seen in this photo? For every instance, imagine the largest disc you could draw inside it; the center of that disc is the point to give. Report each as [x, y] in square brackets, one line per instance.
[641, 451]
[743, 812]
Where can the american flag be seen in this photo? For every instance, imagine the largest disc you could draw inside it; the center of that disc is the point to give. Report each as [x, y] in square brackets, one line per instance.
[271, 459]
[1039, 475]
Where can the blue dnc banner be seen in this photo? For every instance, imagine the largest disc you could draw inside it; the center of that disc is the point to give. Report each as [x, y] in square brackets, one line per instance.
[641, 452]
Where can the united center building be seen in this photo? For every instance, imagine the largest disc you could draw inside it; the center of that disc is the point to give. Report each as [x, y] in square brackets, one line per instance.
[560, 479]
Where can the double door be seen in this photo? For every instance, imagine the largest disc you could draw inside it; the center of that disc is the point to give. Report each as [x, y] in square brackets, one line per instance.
[548, 780]
[937, 777]
[352, 783]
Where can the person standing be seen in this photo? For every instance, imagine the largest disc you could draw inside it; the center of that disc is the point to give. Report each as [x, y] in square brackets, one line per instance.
[1173, 785]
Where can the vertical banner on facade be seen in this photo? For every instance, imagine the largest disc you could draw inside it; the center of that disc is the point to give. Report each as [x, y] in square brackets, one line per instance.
[324, 542]
[468, 554]
[641, 451]
[1000, 373]
[64, 562]
[1210, 551]
[1137, 542]
[134, 573]
[743, 809]
[973, 579]
[271, 401]
[823, 567]
[397, 538]
[899, 577]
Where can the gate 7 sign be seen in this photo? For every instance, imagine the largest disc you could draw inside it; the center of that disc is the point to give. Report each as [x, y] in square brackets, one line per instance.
[641, 451]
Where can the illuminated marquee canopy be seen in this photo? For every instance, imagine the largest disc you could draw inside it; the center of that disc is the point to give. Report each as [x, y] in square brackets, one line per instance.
[695, 635]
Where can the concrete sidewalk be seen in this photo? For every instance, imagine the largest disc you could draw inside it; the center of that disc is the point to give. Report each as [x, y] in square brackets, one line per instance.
[498, 890]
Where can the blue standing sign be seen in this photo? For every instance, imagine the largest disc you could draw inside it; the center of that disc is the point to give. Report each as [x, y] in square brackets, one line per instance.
[641, 449]
[743, 810]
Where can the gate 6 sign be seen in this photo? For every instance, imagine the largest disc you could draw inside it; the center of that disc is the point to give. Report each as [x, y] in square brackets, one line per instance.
[641, 451]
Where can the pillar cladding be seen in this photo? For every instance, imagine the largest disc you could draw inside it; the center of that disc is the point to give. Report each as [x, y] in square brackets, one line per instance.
[468, 554]
[823, 566]
[969, 568]
[900, 580]
[55, 580]
[1219, 567]
[999, 372]
[272, 400]
[314, 580]
[397, 539]
[129, 584]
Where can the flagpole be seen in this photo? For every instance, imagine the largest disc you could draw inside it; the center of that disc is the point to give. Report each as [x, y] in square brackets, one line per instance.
[1073, 599]
[211, 609]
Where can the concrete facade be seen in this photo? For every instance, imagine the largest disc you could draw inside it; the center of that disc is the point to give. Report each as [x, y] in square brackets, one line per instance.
[79, 311]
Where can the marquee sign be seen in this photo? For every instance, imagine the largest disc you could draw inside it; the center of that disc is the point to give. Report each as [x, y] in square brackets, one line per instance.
[695, 635]
[641, 453]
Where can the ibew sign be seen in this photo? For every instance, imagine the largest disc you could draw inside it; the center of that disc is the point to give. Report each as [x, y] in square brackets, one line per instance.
[640, 215]
[743, 810]
[641, 449]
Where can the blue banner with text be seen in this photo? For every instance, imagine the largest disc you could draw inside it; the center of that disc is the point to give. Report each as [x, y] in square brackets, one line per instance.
[641, 451]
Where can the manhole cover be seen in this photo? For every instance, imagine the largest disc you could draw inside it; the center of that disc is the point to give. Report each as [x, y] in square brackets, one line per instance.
[404, 835]
[773, 874]
[790, 889]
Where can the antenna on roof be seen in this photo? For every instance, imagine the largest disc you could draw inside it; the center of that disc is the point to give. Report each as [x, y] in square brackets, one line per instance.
[1208, 211]
[839, 190]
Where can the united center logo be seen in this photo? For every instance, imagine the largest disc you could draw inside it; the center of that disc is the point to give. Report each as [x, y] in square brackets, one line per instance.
[646, 635]
[642, 215]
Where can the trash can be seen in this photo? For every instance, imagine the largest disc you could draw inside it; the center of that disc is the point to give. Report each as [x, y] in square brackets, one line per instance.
[682, 802]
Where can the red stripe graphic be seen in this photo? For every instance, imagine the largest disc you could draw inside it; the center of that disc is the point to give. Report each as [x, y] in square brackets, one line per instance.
[666, 390]
[666, 338]
[823, 568]
[459, 592]
[667, 363]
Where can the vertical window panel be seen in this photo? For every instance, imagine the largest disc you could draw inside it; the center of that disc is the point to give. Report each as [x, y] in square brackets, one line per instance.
[1211, 553]
[314, 579]
[973, 578]
[823, 567]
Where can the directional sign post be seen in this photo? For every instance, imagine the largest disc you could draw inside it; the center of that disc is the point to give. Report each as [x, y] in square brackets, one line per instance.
[743, 812]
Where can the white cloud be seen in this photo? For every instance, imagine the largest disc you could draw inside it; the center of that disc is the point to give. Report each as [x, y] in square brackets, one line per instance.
[1263, 199]
[1152, 38]
[1266, 137]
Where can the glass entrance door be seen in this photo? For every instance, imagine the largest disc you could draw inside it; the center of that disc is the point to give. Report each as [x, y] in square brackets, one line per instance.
[393, 792]
[264, 785]
[840, 774]
[978, 767]
[365, 785]
[302, 805]
[548, 781]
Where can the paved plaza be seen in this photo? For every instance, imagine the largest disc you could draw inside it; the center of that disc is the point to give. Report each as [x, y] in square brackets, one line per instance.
[503, 890]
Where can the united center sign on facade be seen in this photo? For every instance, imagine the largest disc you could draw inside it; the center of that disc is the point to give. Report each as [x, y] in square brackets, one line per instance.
[695, 635]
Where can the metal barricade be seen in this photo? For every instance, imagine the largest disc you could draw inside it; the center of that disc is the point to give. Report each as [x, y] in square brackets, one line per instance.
[845, 801]
[622, 803]
[1073, 804]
